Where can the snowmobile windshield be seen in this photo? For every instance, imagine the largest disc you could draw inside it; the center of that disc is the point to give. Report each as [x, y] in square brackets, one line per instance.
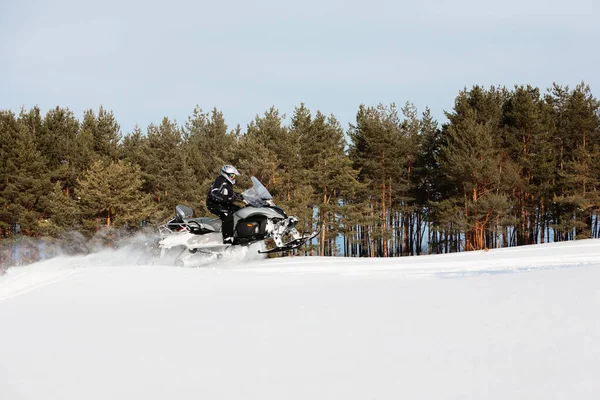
[257, 195]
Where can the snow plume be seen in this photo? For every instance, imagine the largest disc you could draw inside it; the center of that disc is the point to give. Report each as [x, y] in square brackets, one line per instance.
[109, 248]
[59, 261]
[244, 253]
[123, 245]
[40, 262]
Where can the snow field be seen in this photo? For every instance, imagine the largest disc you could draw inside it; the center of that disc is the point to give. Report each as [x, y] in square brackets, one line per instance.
[516, 323]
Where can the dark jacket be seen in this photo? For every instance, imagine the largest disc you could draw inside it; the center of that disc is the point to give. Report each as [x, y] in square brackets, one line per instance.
[220, 197]
[221, 191]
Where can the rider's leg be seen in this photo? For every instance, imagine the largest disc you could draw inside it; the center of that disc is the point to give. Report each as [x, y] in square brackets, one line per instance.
[227, 226]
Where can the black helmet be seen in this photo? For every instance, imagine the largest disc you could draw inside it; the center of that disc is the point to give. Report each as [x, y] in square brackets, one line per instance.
[230, 173]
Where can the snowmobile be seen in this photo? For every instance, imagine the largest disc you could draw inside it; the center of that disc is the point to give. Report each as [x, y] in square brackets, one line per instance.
[260, 219]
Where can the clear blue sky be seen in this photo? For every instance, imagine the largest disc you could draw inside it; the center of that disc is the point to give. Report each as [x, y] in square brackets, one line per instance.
[148, 59]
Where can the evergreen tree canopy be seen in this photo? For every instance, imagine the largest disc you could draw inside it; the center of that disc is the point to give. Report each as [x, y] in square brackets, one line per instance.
[23, 182]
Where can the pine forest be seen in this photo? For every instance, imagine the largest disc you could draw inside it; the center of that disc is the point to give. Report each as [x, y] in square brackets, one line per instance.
[508, 167]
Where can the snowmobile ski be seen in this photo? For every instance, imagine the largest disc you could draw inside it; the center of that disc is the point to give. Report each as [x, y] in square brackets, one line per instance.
[292, 244]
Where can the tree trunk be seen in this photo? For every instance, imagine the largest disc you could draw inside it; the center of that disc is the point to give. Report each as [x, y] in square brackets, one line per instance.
[383, 219]
[418, 233]
[392, 232]
[542, 220]
[323, 225]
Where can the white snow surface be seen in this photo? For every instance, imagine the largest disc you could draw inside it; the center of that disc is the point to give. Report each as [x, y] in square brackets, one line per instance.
[516, 323]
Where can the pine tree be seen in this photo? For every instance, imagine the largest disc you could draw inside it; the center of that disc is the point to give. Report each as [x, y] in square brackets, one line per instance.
[111, 195]
[208, 146]
[427, 181]
[23, 183]
[134, 147]
[266, 152]
[32, 119]
[84, 142]
[57, 144]
[325, 173]
[576, 135]
[474, 165]
[260, 149]
[107, 135]
[135, 150]
[526, 141]
[170, 179]
[64, 213]
[379, 151]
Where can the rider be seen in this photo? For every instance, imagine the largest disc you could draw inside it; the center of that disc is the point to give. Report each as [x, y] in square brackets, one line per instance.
[220, 200]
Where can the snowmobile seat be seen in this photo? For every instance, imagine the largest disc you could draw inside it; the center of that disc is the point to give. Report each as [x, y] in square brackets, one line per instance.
[203, 224]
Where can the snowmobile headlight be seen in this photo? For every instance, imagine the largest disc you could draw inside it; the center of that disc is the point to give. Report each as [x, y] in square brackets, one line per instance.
[271, 203]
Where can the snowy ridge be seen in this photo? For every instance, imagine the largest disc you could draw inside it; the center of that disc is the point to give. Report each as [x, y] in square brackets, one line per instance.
[516, 259]
[21, 282]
